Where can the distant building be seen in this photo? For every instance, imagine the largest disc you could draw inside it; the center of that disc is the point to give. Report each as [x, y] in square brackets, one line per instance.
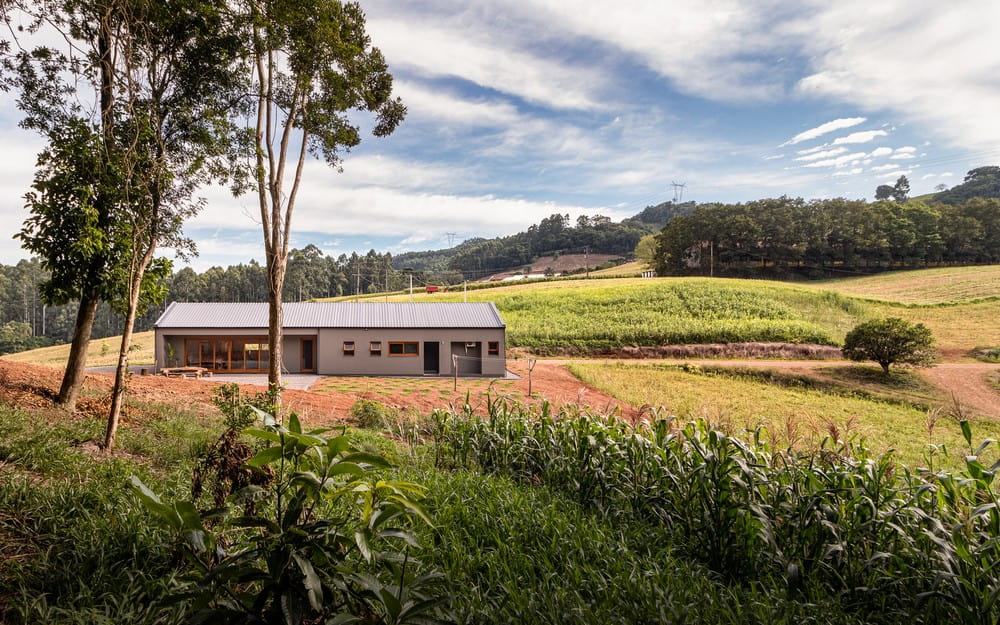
[336, 338]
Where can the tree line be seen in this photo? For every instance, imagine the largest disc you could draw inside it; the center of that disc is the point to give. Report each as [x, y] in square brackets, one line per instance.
[818, 237]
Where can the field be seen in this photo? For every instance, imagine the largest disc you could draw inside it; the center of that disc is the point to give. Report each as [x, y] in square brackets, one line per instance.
[793, 416]
[924, 286]
[101, 353]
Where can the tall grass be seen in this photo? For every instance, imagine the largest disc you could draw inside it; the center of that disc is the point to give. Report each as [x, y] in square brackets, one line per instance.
[890, 544]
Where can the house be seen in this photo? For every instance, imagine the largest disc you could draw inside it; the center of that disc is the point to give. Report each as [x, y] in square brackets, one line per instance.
[336, 338]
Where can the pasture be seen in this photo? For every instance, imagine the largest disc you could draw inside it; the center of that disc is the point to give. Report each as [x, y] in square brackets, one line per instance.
[923, 286]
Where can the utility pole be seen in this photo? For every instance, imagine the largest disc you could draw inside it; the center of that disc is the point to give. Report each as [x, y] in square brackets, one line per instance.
[586, 259]
[411, 287]
[451, 238]
[465, 291]
[357, 285]
[387, 283]
[678, 191]
[711, 259]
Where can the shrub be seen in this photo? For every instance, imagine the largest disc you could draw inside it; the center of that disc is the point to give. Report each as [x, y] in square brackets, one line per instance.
[372, 414]
[331, 542]
[890, 341]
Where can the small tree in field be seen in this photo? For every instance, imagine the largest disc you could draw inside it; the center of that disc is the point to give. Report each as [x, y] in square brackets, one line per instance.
[890, 341]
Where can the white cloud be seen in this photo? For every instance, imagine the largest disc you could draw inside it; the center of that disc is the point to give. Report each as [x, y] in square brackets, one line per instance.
[896, 174]
[822, 129]
[864, 54]
[438, 51]
[860, 137]
[884, 167]
[901, 157]
[881, 152]
[849, 172]
[423, 103]
[815, 148]
[926, 176]
[947, 174]
[839, 161]
[906, 149]
[824, 154]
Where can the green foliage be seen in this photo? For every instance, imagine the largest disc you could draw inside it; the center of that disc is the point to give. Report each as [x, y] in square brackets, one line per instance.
[241, 411]
[16, 337]
[981, 182]
[893, 546]
[988, 354]
[373, 414]
[890, 341]
[332, 540]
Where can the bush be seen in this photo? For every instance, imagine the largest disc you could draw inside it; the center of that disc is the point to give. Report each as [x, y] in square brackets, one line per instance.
[374, 415]
[890, 341]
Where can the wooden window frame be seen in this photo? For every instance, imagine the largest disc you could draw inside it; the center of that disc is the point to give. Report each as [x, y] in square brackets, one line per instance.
[493, 348]
[374, 351]
[403, 354]
[349, 351]
[253, 340]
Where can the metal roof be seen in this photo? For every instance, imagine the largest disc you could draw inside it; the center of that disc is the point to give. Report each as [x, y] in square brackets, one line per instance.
[332, 315]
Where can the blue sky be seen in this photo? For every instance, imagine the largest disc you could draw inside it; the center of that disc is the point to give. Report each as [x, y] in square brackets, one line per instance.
[523, 108]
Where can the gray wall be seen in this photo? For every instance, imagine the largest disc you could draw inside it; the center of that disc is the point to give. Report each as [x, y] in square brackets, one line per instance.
[330, 358]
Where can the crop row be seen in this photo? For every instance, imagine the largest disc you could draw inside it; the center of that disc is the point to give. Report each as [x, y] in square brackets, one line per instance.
[892, 545]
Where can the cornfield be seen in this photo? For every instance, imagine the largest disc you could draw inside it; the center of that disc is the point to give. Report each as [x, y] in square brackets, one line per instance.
[890, 544]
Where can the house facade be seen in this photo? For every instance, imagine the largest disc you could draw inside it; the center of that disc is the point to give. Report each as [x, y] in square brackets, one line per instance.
[336, 338]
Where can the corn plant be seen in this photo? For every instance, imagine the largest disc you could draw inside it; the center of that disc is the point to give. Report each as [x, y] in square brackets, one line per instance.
[331, 541]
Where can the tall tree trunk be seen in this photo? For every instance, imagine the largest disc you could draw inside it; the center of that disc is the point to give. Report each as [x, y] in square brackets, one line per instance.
[276, 282]
[121, 373]
[77, 363]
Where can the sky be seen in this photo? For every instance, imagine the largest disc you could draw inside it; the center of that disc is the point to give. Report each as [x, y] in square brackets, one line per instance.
[518, 109]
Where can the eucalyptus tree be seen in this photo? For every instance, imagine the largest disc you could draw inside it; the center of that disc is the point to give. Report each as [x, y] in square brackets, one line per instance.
[312, 62]
[162, 74]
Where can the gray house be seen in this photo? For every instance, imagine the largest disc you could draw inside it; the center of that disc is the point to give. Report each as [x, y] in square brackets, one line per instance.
[336, 338]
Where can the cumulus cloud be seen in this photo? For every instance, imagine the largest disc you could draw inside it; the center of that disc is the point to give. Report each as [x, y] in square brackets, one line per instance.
[881, 152]
[849, 172]
[822, 129]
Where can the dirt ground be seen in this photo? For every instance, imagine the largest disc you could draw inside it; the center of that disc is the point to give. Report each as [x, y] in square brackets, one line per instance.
[330, 400]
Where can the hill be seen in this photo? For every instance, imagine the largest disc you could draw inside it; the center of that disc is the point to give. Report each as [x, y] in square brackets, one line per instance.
[556, 234]
[983, 182]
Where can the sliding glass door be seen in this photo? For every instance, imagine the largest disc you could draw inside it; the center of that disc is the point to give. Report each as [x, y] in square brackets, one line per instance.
[218, 354]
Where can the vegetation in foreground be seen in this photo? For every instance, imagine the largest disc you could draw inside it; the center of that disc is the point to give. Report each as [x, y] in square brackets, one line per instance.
[538, 518]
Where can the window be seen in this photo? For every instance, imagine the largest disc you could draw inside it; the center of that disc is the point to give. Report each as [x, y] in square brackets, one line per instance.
[493, 348]
[409, 348]
[348, 348]
[375, 348]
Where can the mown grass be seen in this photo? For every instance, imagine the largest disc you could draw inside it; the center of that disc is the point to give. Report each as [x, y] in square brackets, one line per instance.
[793, 416]
[923, 286]
[100, 353]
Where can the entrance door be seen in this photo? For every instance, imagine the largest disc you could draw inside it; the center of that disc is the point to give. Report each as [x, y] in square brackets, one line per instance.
[308, 355]
[431, 357]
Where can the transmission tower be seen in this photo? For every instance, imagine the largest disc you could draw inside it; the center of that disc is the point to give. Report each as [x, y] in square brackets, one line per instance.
[678, 191]
[451, 238]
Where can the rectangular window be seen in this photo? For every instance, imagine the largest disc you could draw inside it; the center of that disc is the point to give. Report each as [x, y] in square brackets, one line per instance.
[493, 348]
[409, 348]
[375, 348]
[348, 348]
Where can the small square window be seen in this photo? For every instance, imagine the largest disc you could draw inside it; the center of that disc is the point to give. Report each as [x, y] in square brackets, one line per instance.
[348, 348]
[375, 348]
[493, 348]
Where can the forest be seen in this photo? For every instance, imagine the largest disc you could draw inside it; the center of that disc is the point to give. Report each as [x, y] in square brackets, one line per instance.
[792, 236]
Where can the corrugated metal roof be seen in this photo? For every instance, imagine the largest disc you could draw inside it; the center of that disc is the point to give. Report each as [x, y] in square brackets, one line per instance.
[333, 315]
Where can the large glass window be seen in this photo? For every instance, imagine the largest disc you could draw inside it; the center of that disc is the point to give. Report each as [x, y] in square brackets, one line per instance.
[227, 354]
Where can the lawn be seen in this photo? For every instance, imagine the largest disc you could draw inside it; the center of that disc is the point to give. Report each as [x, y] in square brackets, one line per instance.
[792, 416]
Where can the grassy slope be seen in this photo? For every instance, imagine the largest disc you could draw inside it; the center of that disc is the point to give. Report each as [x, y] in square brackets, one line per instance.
[924, 286]
[102, 352]
[792, 416]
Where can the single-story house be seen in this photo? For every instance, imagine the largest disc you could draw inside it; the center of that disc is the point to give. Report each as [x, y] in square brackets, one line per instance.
[336, 338]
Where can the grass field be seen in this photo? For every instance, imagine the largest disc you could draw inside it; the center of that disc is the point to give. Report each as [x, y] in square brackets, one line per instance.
[101, 353]
[923, 286]
[792, 416]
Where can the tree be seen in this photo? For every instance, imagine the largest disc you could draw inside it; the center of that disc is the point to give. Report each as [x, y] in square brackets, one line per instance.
[901, 190]
[645, 249]
[890, 341]
[884, 192]
[311, 63]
